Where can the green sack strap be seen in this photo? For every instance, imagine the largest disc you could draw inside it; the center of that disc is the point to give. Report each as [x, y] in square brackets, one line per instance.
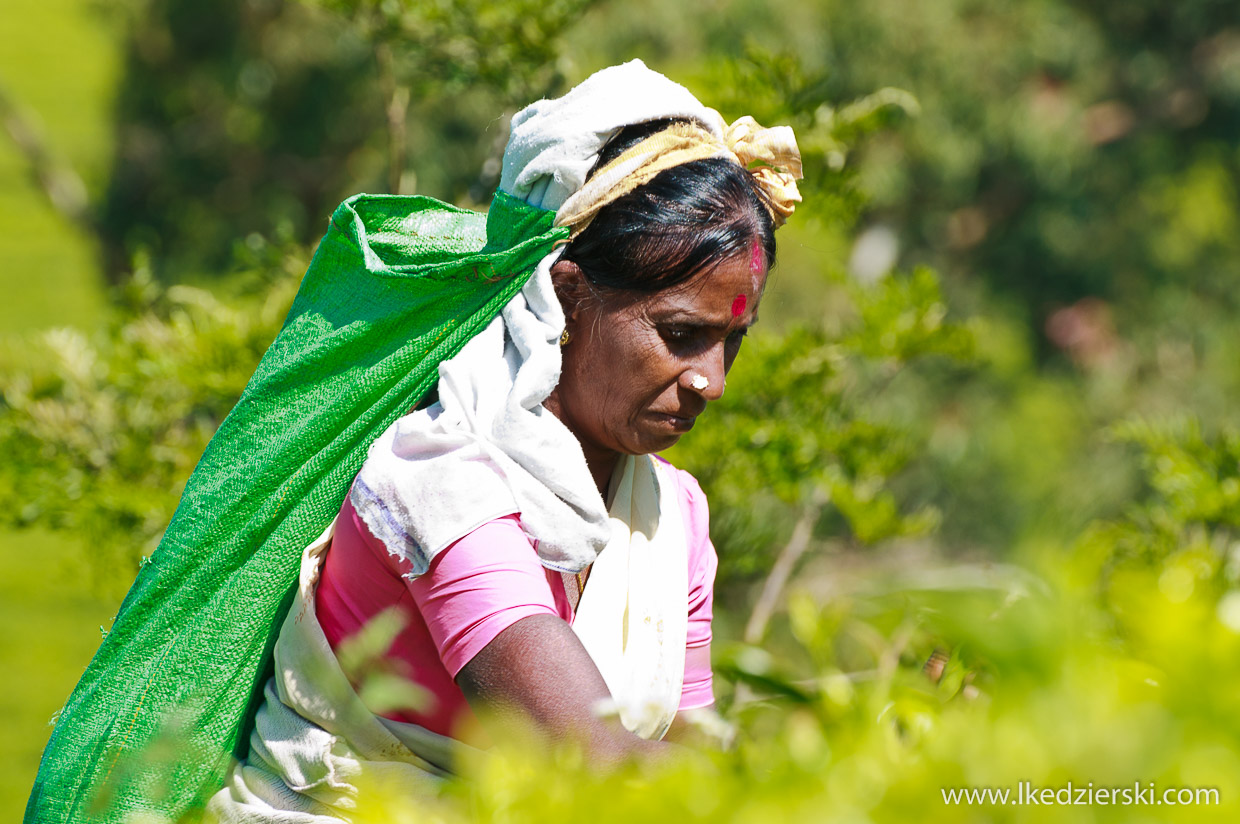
[398, 284]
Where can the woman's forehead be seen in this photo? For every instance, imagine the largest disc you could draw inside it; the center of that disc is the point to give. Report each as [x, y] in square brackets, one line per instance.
[717, 297]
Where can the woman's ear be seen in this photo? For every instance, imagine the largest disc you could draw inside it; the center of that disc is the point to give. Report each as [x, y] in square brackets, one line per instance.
[570, 286]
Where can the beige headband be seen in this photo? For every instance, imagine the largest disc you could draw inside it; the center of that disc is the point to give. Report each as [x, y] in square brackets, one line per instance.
[745, 142]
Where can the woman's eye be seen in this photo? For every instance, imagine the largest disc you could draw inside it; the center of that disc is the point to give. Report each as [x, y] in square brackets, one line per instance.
[678, 334]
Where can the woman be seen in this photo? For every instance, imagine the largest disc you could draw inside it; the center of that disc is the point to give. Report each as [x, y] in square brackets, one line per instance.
[657, 293]
[539, 559]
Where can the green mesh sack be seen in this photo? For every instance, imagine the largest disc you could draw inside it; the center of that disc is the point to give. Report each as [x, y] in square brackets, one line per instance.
[397, 285]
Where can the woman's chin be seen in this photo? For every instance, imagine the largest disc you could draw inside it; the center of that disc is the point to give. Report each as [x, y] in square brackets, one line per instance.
[661, 434]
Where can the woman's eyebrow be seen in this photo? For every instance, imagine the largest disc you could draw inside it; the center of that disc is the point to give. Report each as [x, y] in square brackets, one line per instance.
[690, 318]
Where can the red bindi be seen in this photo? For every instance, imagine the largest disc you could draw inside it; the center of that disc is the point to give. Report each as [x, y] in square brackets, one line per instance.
[738, 305]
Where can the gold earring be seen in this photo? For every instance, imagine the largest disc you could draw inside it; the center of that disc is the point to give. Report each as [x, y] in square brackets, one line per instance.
[565, 337]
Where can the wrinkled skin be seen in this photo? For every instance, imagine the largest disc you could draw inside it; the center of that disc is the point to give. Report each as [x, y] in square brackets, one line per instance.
[627, 387]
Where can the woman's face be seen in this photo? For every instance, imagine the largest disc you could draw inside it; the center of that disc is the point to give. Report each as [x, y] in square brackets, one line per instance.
[628, 381]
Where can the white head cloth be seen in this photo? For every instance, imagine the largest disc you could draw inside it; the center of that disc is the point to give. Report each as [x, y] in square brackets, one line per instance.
[488, 448]
[555, 143]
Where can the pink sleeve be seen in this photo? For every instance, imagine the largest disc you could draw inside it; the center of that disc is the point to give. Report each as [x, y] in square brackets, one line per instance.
[478, 587]
[698, 690]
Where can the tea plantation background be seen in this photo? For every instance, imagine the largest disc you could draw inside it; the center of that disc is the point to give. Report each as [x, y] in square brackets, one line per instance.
[975, 483]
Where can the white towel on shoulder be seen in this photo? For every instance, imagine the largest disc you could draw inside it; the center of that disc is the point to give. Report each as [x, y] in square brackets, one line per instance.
[488, 448]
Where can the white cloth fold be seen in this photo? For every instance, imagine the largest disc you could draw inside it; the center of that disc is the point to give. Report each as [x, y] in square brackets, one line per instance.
[633, 617]
[489, 448]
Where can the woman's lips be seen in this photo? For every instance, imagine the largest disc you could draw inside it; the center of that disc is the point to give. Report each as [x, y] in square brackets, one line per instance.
[678, 423]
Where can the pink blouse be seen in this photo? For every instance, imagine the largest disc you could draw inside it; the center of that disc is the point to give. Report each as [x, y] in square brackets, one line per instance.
[475, 589]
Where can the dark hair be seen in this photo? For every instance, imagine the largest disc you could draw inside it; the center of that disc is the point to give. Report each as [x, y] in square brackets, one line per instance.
[686, 220]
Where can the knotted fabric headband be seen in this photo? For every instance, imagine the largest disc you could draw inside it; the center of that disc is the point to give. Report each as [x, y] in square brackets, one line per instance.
[770, 155]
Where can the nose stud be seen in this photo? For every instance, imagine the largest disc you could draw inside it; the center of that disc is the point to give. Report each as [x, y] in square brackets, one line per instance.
[700, 382]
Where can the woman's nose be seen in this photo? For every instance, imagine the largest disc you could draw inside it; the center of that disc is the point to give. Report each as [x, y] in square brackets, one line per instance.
[708, 377]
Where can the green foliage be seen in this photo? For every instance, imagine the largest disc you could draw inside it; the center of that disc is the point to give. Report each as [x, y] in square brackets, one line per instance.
[1196, 480]
[1069, 149]
[1186, 528]
[101, 434]
[259, 116]
[798, 425]
[776, 87]
[234, 117]
[455, 64]
[445, 48]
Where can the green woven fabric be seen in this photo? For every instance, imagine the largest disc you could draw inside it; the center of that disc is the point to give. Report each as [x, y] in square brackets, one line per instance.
[397, 285]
